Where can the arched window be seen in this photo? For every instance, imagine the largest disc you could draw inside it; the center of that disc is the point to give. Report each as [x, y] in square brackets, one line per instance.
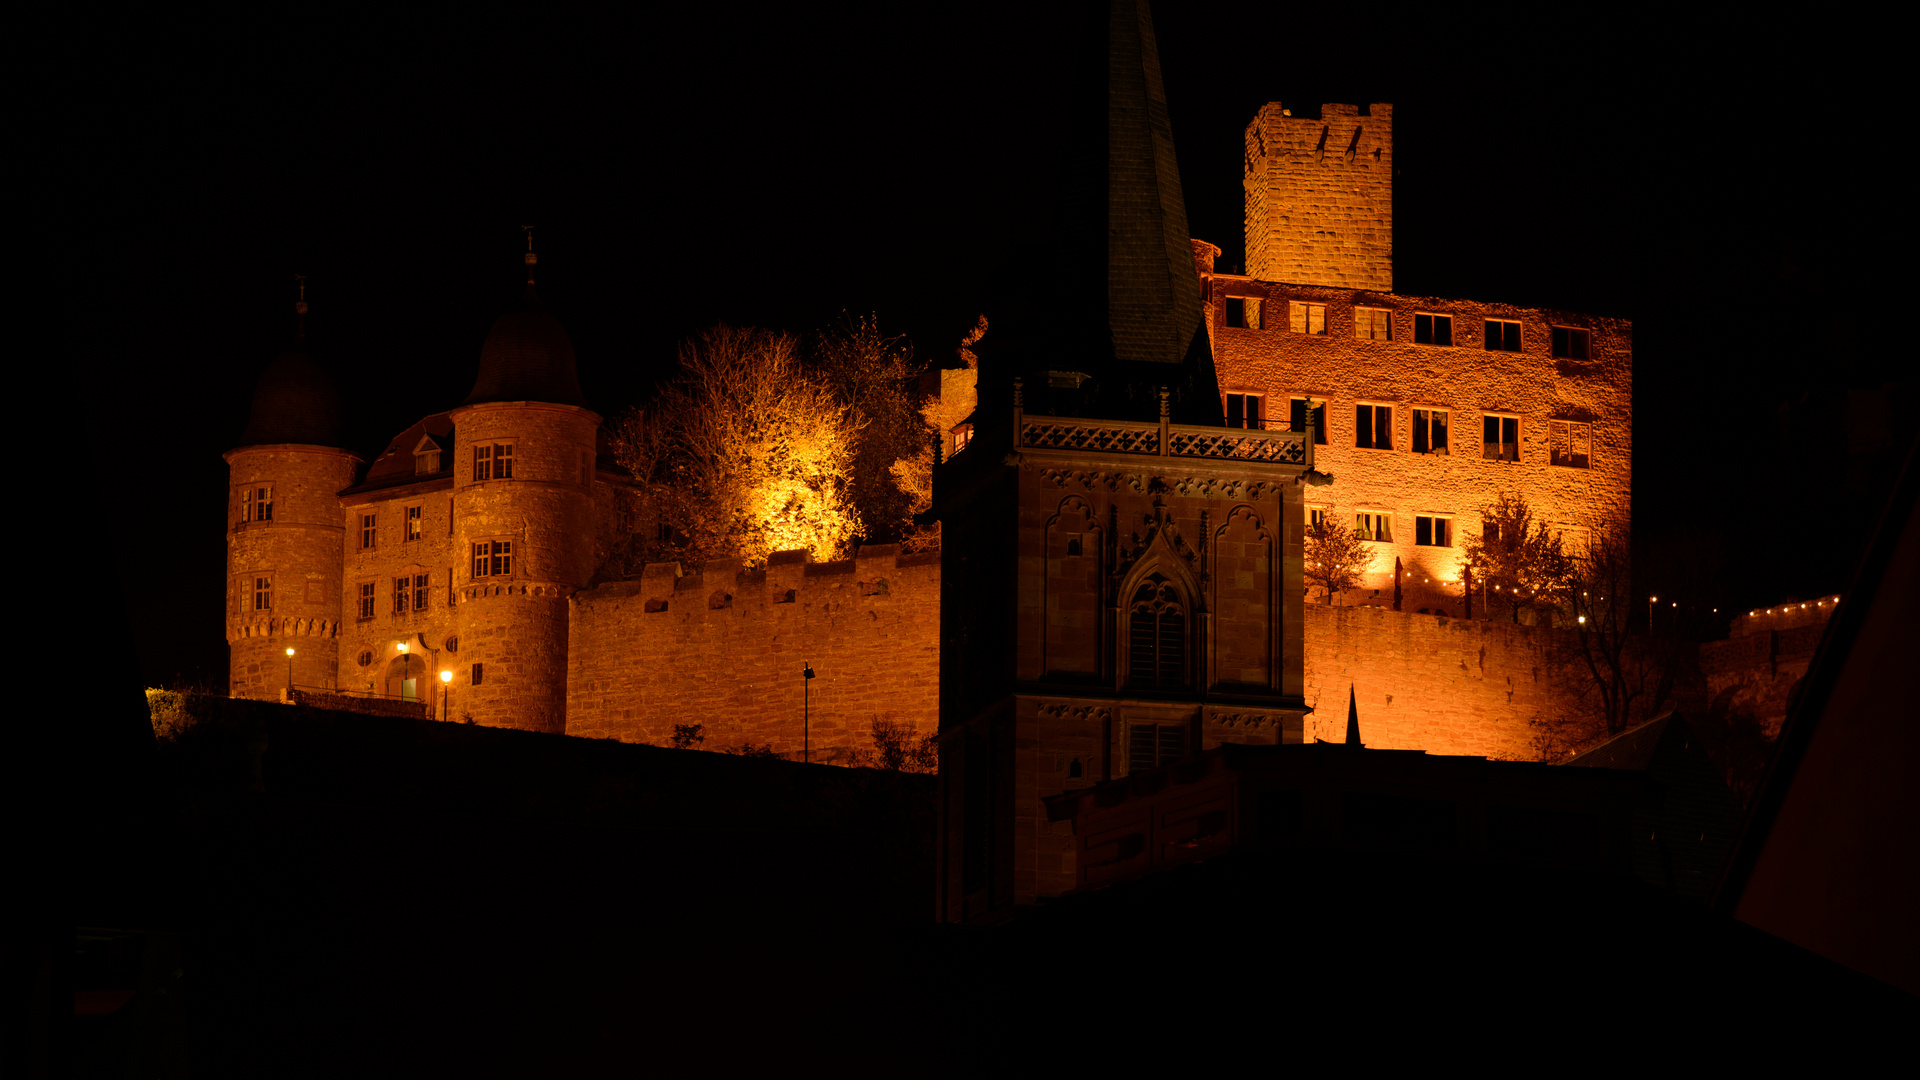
[1157, 636]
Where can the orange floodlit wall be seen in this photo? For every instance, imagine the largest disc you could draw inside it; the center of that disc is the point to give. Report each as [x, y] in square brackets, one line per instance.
[725, 648]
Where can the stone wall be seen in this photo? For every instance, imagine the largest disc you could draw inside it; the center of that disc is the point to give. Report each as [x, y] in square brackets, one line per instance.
[369, 706]
[1756, 673]
[1463, 383]
[724, 648]
[1320, 196]
[1446, 686]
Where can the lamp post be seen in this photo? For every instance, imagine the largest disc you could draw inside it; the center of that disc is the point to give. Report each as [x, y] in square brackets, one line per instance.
[1650, 601]
[289, 673]
[405, 662]
[446, 680]
[806, 710]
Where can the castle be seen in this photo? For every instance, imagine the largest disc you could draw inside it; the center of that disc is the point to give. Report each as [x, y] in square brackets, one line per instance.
[1128, 590]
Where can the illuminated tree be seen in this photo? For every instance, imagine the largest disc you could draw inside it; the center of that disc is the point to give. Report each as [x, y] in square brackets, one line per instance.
[1517, 557]
[1335, 557]
[746, 453]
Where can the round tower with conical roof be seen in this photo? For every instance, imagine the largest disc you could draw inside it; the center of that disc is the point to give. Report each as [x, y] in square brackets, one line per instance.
[524, 445]
[285, 541]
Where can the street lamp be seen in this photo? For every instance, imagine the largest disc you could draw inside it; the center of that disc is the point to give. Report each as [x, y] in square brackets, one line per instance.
[1650, 601]
[289, 673]
[806, 709]
[446, 680]
[403, 671]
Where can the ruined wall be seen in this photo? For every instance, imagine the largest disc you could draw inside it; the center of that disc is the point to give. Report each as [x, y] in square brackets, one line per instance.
[1446, 686]
[1757, 672]
[724, 648]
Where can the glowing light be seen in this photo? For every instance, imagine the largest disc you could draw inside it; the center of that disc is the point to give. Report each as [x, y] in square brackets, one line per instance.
[289, 652]
[446, 676]
[403, 646]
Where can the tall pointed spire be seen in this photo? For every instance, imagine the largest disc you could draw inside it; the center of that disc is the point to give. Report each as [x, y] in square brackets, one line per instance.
[527, 355]
[1353, 720]
[1115, 313]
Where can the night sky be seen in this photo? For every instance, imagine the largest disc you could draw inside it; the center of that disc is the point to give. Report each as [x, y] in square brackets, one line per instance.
[1728, 188]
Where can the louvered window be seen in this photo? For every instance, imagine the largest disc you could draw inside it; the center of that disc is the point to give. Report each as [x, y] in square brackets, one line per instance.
[1150, 746]
[1157, 636]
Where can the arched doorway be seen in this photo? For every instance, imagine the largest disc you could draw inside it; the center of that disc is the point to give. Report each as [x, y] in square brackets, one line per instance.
[407, 677]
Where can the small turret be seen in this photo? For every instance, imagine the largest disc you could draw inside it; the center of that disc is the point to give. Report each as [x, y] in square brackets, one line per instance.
[284, 532]
[524, 452]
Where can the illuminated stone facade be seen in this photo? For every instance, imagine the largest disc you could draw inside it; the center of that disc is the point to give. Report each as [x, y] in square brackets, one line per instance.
[1427, 407]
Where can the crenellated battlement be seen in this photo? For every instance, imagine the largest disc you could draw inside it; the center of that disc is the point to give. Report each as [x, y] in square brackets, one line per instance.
[724, 646]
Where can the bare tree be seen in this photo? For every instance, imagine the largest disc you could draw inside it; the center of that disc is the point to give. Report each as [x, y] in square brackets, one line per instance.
[1335, 557]
[746, 453]
[1518, 557]
[1617, 674]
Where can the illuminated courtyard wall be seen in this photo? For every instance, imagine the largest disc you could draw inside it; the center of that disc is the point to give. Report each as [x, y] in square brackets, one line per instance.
[725, 648]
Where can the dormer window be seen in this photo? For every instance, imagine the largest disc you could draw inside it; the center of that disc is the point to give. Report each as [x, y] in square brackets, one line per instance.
[426, 457]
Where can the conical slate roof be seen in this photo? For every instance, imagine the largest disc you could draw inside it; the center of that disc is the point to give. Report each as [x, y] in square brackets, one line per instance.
[296, 401]
[527, 357]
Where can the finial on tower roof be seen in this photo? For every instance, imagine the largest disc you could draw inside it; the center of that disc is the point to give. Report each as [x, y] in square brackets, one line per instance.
[300, 307]
[532, 259]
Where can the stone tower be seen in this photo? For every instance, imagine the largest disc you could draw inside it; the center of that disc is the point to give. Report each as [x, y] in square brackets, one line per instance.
[284, 533]
[523, 471]
[1320, 196]
[1120, 588]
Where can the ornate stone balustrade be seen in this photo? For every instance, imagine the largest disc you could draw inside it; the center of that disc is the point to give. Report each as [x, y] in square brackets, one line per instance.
[1165, 440]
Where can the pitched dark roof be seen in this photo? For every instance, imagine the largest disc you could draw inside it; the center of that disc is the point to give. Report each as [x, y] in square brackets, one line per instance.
[395, 465]
[527, 357]
[1631, 749]
[296, 401]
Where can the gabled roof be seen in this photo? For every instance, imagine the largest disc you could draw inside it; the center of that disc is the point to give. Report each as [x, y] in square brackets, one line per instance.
[395, 465]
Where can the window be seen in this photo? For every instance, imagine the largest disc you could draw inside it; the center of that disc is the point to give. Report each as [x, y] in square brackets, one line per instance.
[1372, 526]
[476, 674]
[402, 593]
[1432, 531]
[256, 504]
[1373, 427]
[1243, 312]
[493, 461]
[1307, 318]
[493, 558]
[1503, 335]
[1570, 443]
[413, 523]
[1244, 410]
[1570, 343]
[366, 532]
[1430, 431]
[1157, 636]
[1373, 324]
[1150, 746]
[426, 458]
[263, 594]
[1433, 329]
[1500, 438]
[962, 435]
[1573, 540]
[1316, 516]
[366, 600]
[419, 592]
[1305, 409]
